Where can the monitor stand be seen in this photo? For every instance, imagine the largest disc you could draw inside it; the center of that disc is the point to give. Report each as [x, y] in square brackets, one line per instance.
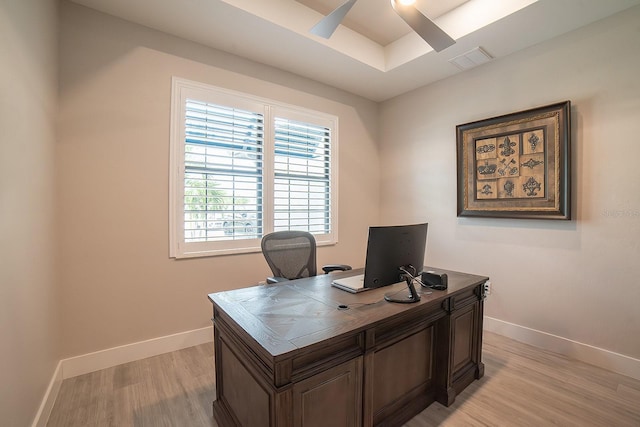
[411, 298]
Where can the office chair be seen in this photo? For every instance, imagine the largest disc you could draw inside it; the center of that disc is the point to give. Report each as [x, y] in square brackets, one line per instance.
[291, 255]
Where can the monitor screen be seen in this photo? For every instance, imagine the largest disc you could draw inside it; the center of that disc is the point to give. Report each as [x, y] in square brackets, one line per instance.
[392, 247]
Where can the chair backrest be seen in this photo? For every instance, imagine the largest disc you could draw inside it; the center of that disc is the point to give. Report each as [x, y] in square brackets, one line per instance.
[290, 254]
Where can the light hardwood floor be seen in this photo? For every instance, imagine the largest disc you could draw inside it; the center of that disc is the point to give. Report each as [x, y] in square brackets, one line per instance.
[522, 386]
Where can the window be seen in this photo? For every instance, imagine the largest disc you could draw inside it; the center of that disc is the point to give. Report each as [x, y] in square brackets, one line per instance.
[242, 167]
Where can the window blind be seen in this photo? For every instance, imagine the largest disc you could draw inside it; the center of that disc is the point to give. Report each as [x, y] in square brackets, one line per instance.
[242, 166]
[223, 161]
[302, 176]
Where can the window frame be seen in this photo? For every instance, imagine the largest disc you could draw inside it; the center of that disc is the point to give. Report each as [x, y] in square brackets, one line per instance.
[181, 90]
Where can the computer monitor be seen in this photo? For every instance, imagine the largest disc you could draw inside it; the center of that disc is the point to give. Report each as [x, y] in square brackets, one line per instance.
[391, 249]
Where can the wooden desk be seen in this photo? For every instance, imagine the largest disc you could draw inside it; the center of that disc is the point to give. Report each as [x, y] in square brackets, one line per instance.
[285, 355]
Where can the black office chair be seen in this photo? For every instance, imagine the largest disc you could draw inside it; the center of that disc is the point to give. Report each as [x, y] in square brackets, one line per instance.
[292, 255]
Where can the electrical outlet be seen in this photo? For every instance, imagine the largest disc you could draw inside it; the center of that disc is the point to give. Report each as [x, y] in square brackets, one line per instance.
[487, 287]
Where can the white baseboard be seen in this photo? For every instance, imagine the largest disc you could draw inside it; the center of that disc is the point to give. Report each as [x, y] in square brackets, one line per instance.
[103, 359]
[83, 364]
[602, 358]
[49, 398]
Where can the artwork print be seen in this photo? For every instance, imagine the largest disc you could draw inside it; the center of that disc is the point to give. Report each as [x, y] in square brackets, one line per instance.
[515, 165]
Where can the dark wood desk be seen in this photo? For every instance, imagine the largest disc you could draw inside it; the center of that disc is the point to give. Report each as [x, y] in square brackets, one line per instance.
[285, 355]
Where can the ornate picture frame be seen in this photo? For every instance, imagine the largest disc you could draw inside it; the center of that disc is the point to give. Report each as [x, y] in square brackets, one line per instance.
[516, 165]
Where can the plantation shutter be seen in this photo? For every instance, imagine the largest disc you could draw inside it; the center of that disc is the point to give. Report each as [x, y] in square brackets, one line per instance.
[242, 166]
[223, 161]
[302, 176]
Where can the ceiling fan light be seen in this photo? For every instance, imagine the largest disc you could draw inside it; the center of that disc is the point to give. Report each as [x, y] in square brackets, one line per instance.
[406, 2]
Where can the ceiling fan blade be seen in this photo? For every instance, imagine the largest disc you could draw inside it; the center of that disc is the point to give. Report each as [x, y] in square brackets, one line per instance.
[426, 28]
[329, 23]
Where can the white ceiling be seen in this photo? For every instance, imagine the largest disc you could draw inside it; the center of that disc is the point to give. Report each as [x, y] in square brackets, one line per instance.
[374, 54]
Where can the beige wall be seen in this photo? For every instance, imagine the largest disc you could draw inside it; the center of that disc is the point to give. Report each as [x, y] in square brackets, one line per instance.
[119, 284]
[110, 243]
[28, 298]
[577, 279]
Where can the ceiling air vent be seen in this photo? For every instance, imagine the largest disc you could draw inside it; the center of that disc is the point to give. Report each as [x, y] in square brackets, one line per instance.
[473, 58]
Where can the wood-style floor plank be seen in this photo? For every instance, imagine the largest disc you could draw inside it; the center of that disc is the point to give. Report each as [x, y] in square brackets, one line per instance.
[522, 386]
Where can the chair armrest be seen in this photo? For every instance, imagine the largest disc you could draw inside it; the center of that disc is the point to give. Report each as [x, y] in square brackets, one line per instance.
[272, 280]
[335, 267]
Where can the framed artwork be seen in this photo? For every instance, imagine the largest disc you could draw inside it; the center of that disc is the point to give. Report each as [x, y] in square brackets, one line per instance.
[516, 165]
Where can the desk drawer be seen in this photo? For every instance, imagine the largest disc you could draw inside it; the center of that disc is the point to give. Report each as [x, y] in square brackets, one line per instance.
[332, 352]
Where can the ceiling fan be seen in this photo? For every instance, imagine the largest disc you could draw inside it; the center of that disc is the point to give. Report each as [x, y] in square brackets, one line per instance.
[423, 26]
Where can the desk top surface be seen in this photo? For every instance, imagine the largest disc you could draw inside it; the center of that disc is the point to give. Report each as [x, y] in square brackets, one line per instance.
[288, 316]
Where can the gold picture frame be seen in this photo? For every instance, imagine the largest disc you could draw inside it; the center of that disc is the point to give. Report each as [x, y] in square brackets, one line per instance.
[516, 165]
